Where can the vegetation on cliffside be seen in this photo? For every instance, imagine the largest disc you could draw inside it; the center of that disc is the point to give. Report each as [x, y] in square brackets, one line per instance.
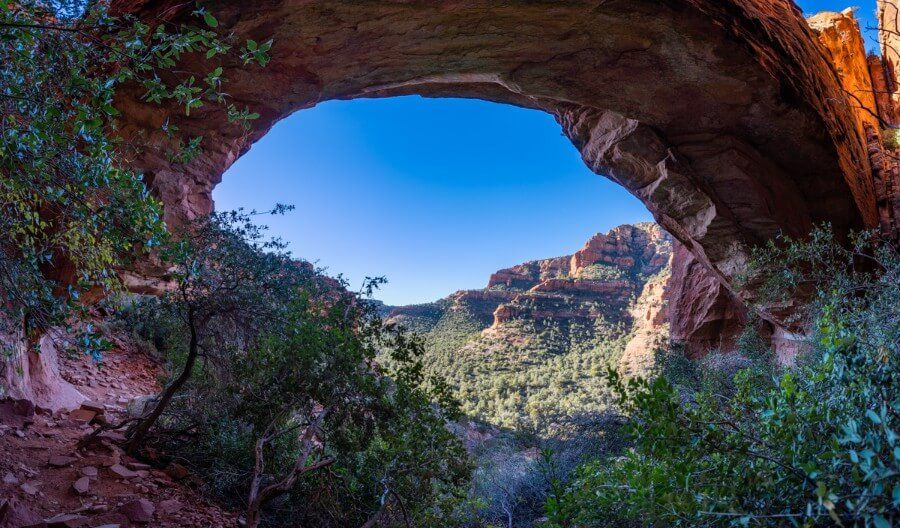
[526, 358]
[815, 445]
[72, 211]
[540, 369]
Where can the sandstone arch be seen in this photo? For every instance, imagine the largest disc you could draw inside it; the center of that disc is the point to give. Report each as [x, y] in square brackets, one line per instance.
[723, 116]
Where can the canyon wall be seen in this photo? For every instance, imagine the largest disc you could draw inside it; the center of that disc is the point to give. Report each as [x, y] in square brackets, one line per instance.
[600, 283]
[870, 85]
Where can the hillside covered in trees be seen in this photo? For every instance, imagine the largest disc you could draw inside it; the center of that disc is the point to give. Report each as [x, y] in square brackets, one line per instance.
[528, 351]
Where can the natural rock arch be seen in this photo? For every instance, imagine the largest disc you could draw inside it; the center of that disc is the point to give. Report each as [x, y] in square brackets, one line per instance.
[723, 116]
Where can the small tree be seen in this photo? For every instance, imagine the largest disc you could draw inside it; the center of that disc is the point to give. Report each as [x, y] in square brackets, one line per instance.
[277, 382]
[316, 392]
[231, 285]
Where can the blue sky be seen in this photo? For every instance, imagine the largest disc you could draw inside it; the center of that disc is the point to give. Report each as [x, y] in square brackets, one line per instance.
[434, 194]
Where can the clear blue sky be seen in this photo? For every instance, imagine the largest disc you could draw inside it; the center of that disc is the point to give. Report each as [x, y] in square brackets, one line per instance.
[435, 194]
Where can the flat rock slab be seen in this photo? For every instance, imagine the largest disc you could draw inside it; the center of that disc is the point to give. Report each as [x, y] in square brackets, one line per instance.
[177, 471]
[82, 485]
[29, 489]
[82, 416]
[92, 406]
[65, 520]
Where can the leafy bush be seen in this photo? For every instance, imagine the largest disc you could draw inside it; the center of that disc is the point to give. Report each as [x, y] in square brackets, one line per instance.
[276, 399]
[71, 211]
[807, 446]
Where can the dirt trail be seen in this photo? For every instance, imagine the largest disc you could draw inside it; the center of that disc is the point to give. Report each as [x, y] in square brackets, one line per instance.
[46, 480]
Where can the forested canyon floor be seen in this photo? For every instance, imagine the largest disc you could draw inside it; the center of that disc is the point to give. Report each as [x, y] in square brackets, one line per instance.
[530, 350]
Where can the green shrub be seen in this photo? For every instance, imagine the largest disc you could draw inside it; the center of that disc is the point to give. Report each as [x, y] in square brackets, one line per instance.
[71, 212]
[276, 400]
[814, 445]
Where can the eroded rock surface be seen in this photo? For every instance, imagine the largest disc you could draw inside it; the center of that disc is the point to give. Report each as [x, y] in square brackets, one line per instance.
[597, 282]
[841, 36]
[723, 116]
[702, 314]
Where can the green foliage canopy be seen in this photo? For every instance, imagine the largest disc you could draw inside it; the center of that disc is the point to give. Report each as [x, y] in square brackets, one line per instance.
[814, 445]
[71, 211]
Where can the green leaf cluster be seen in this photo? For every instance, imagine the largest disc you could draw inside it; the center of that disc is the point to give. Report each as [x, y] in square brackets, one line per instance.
[283, 344]
[812, 445]
[72, 212]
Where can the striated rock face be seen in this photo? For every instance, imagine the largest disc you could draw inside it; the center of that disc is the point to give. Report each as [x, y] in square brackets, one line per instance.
[702, 315]
[889, 38]
[530, 350]
[32, 372]
[869, 84]
[625, 275]
[598, 283]
[649, 328]
[723, 116]
[840, 35]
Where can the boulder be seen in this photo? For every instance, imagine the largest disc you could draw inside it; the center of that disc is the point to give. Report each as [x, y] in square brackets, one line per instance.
[65, 520]
[177, 471]
[169, 506]
[35, 375]
[82, 416]
[29, 488]
[140, 405]
[16, 412]
[93, 406]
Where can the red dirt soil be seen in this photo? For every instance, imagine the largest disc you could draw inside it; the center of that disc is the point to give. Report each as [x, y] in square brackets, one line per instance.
[41, 465]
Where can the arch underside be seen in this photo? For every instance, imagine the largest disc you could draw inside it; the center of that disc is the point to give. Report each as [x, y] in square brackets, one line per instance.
[722, 116]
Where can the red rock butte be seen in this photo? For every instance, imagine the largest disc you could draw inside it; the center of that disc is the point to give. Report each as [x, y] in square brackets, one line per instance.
[732, 120]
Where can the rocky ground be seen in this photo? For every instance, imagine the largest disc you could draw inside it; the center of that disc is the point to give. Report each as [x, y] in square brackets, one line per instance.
[47, 480]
